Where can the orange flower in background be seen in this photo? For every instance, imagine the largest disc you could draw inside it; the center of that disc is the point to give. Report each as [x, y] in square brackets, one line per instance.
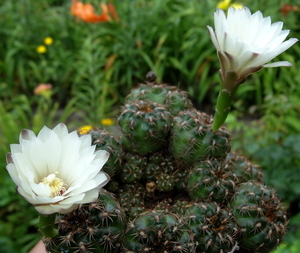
[42, 89]
[286, 8]
[110, 61]
[87, 13]
[113, 12]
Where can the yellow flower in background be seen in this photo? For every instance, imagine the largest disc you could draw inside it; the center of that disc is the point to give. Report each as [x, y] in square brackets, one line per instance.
[84, 129]
[225, 4]
[237, 6]
[41, 49]
[107, 122]
[48, 40]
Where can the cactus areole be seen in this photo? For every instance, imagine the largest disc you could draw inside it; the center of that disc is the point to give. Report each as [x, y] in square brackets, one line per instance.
[175, 186]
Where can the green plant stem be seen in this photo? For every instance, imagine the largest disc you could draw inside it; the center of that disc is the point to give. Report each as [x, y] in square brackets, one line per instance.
[230, 81]
[46, 225]
[224, 101]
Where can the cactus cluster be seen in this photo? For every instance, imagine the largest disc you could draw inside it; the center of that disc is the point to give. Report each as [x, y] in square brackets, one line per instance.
[175, 187]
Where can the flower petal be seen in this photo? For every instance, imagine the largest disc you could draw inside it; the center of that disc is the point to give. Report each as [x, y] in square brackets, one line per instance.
[250, 39]
[213, 38]
[278, 64]
[56, 170]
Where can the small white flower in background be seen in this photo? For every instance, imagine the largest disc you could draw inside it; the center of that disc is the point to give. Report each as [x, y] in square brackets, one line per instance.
[246, 42]
[56, 170]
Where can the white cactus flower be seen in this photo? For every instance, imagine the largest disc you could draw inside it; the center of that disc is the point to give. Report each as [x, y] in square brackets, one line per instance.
[56, 170]
[246, 42]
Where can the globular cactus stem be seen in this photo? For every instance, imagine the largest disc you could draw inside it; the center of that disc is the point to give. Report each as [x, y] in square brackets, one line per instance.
[175, 186]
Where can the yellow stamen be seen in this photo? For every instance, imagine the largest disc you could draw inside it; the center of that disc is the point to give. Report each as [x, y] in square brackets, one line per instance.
[56, 184]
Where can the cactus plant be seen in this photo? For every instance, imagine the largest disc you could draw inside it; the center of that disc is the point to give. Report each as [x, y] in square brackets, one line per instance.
[94, 227]
[145, 126]
[176, 184]
[193, 140]
[172, 98]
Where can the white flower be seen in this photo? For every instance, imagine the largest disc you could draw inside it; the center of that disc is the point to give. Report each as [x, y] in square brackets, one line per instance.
[56, 170]
[245, 42]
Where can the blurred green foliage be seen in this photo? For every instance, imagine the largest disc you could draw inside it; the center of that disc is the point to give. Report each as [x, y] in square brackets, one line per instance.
[92, 67]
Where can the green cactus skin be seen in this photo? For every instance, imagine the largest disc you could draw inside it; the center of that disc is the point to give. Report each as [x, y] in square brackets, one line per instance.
[165, 182]
[192, 139]
[260, 219]
[180, 206]
[145, 126]
[180, 177]
[161, 162]
[135, 211]
[105, 141]
[214, 228]
[158, 231]
[153, 166]
[163, 205]
[112, 186]
[133, 167]
[243, 168]
[172, 98]
[94, 227]
[210, 180]
[131, 195]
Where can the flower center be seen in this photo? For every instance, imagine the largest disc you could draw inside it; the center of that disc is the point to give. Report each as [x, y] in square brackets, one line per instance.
[56, 184]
